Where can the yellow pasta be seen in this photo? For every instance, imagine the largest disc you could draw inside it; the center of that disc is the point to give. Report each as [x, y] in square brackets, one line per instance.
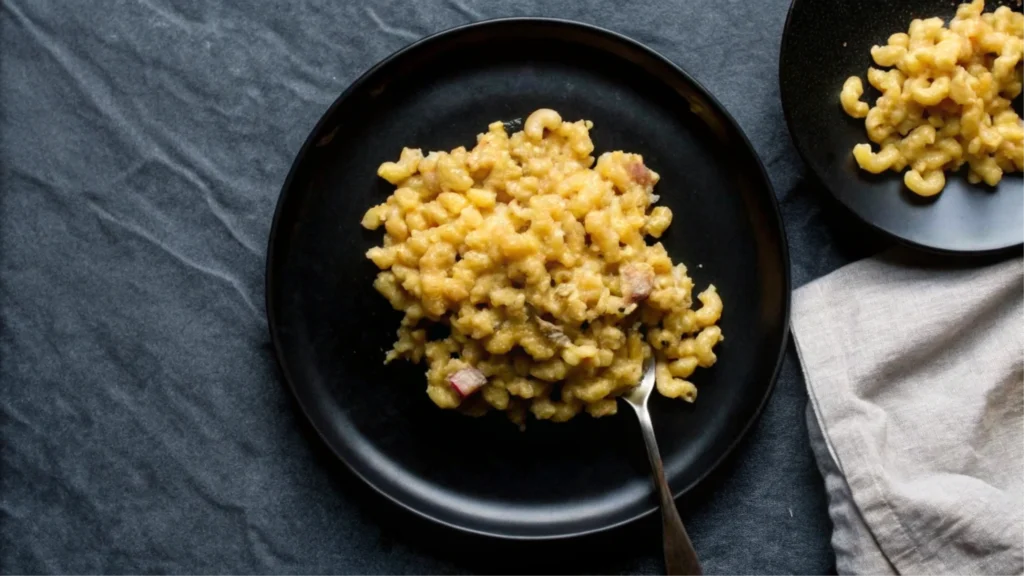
[945, 101]
[853, 89]
[534, 256]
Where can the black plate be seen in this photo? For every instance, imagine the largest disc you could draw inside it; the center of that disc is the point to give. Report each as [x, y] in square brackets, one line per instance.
[824, 43]
[331, 329]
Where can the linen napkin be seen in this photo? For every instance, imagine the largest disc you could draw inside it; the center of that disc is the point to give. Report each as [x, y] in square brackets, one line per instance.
[915, 374]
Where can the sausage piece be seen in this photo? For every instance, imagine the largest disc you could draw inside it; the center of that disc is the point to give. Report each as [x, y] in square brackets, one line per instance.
[467, 381]
[637, 282]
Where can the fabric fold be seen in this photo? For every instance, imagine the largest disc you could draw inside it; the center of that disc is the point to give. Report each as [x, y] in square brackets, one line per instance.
[915, 375]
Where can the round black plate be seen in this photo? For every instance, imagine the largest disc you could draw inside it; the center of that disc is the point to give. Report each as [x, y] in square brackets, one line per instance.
[331, 328]
[823, 44]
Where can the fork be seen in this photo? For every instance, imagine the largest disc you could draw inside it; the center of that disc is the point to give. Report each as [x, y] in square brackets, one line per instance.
[680, 557]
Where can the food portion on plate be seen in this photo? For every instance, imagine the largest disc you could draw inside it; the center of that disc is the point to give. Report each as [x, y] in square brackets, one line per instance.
[534, 258]
[946, 100]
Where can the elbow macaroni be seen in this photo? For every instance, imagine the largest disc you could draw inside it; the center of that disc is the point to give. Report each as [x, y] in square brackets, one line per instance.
[853, 89]
[535, 257]
[946, 101]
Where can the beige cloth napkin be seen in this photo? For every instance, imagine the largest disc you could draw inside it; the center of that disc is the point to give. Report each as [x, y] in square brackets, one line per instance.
[916, 379]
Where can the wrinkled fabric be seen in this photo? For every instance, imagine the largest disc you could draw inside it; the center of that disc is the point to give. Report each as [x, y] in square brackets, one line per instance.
[855, 547]
[916, 381]
[145, 426]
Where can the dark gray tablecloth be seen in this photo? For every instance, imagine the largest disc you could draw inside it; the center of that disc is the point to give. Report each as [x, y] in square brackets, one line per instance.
[144, 425]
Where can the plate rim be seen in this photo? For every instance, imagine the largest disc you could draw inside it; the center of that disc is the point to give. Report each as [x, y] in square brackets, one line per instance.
[818, 176]
[310, 142]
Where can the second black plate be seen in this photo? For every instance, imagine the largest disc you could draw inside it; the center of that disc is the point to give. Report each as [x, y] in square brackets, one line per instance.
[330, 328]
[826, 42]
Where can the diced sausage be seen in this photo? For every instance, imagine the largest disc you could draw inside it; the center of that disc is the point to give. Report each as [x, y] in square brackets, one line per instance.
[467, 380]
[637, 282]
[639, 173]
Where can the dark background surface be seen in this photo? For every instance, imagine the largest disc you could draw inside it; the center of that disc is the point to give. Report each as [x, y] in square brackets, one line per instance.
[144, 425]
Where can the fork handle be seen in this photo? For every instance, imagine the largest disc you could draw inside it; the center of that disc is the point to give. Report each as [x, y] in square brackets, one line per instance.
[680, 557]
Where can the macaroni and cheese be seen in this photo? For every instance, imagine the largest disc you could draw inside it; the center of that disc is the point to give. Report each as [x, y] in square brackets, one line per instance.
[946, 100]
[534, 256]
